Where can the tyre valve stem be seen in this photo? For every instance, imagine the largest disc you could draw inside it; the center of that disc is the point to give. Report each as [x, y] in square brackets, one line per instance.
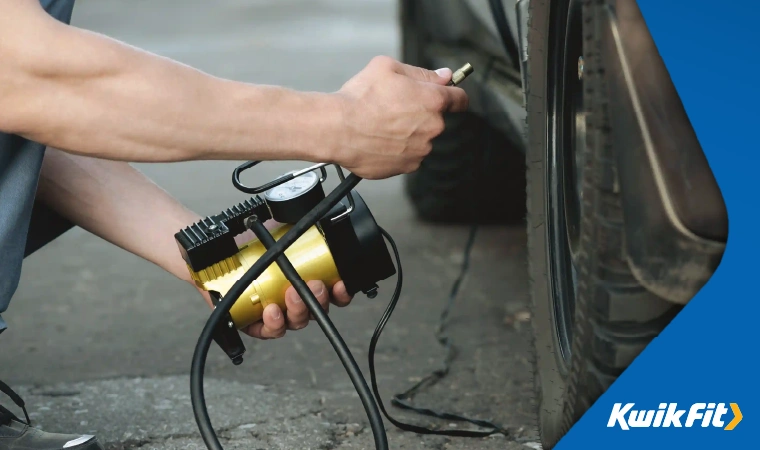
[461, 73]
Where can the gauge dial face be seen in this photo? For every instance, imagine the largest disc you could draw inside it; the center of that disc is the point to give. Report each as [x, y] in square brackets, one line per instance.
[293, 188]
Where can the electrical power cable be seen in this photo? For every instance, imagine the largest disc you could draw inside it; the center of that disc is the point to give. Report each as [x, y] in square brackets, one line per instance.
[402, 400]
[5, 389]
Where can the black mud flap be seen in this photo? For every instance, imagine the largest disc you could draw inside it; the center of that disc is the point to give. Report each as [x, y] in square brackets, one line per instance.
[676, 224]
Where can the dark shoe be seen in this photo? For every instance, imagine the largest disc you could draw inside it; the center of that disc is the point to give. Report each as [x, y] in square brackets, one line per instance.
[17, 434]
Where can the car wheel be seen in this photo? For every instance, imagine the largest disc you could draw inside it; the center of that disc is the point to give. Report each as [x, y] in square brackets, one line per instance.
[472, 175]
[591, 317]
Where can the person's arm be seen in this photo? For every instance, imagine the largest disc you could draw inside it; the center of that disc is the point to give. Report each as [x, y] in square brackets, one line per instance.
[113, 200]
[85, 93]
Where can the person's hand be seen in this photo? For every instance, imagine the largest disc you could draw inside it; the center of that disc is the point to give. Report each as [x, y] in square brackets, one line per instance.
[391, 112]
[275, 323]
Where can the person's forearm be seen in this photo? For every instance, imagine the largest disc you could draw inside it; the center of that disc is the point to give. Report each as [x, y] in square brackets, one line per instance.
[85, 93]
[116, 202]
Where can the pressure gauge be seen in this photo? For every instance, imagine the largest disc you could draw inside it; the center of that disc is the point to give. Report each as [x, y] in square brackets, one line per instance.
[291, 200]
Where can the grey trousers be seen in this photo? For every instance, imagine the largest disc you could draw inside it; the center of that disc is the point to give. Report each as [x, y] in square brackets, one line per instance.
[44, 227]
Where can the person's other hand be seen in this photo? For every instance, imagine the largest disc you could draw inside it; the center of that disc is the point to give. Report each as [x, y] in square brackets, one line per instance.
[391, 112]
[275, 323]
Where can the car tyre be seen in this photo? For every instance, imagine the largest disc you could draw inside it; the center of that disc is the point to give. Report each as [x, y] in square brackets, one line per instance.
[590, 316]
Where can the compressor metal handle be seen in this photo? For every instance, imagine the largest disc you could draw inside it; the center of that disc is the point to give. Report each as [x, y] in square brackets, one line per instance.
[276, 182]
[287, 177]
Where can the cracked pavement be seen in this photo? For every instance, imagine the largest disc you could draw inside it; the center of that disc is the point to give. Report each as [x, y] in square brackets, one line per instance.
[100, 341]
[155, 413]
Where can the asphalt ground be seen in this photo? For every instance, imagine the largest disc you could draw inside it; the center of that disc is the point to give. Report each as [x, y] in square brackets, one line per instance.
[100, 341]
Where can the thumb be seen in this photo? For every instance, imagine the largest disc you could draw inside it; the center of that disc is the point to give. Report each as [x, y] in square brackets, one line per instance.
[440, 76]
[445, 74]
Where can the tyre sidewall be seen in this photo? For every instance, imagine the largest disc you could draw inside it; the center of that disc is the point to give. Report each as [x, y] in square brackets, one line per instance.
[550, 375]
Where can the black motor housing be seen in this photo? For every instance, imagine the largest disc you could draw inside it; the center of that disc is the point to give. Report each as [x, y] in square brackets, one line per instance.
[357, 246]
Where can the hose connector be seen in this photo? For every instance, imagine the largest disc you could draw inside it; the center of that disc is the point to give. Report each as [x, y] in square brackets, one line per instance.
[461, 73]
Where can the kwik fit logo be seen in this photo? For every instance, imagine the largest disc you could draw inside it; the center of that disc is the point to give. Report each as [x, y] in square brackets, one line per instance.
[668, 415]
